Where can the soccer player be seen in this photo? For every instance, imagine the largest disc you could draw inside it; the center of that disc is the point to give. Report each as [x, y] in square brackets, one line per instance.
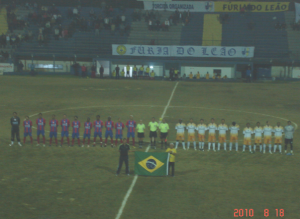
[191, 127]
[248, 131]
[278, 130]
[109, 125]
[153, 132]
[180, 126]
[289, 132]
[258, 131]
[212, 127]
[141, 132]
[131, 124]
[201, 128]
[40, 122]
[87, 132]
[15, 131]
[98, 124]
[65, 124]
[222, 134]
[119, 126]
[164, 129]
[268, 136]
[27, 129]
[234, 132]
[75, 133]
[53, 123]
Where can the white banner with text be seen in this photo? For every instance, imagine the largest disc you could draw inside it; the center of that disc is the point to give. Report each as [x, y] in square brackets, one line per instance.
[192, 6]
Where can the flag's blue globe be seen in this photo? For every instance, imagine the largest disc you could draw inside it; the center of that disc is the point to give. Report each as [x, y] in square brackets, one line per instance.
[151, 164]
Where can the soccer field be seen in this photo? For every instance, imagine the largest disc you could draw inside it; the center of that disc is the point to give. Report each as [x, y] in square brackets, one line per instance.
[72, 182]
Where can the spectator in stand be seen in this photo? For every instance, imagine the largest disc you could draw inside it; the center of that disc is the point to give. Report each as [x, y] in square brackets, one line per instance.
[56, 33]
[176, 73]
[150, 24]
[123, 18]
[117, 72]
[152, 75]
[83, 71]
[20, 66]
[101, 70]
[134, 72]
[147, 16]
[122, 29]
[141, 71]
[191, 75]
[183, 77]
[92, 14]
[122, 73]
[106, 23]
[93, 71]
[225, 77]
[147, 71]
[113, 74]
[167, 24]
[171, 74]
[248, 74]
[103, 4]
[128, 70]
[75, 12]
[7, 39]
[112, 28]
[41, 39]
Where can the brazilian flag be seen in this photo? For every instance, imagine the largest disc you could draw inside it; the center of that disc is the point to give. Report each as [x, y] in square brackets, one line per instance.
[151, 163]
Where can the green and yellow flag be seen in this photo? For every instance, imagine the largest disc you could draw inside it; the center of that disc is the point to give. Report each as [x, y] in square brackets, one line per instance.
[151, 163]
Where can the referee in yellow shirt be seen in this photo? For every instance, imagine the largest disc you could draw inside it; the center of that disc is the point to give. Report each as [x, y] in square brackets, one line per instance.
[164, 129]
[153, 132]
[172, 152]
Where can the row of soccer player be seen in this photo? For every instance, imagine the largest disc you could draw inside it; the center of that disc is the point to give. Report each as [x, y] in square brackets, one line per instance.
[163, 127]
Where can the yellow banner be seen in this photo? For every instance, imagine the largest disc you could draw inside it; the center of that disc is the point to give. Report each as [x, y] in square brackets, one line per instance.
[255, 6]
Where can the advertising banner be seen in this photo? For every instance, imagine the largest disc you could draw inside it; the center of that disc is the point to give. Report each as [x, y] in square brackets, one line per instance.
[253, 6]
[192, 6]
[6, 67]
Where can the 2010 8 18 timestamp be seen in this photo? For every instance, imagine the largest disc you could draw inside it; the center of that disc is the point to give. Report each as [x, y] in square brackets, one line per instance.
[250, 212]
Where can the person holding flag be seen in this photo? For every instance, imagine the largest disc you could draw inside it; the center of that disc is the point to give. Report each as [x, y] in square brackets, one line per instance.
[141, 132]
[53, 123]
[40, 122]
[27, 129]
[119, 126]
[75, 134]
[131, 124]
[164, 129]
[65, 124]
[87, 132]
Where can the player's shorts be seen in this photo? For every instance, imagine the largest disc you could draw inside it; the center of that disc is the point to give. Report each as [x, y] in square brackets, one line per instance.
[201, 138]
[86, 135]
[233, 138]
[288, 141]
[141, 72]
[27, 134]
[134, 73]
[130, 134]
[75, 135]
[163, 135]
[267, 140]
[211, 138]
[180, 137]
[109, 133]
[222, 139]
[191, 137]
[153, 134]
[119, 136]
[257, 140]
[64, 134]
[40, 132]
[247, 141]
[278, 140]
[97, 134]
[53, 134]
[141, 135]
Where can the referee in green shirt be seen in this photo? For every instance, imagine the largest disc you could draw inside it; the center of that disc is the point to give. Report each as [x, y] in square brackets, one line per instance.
[140, 127]
[164, 129]
[153, 132]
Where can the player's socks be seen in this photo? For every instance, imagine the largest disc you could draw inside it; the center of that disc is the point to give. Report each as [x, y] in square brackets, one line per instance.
[176, 144]
[270, 148]
[260, 148]
[264, 148]
[254, 147]
[236, 146]
[105, 141]
[183, 145]
[24, 140]
[275, 147]
[94, 140]
[280, 148]
[116, 142]
[200, 145]
[209, 144]
[133, 141]
[225, 146]
[203, 145]
[188, 145]
[219, 146]
[214, 144]
[195, 145]
[250, 148]
[230, 146]
[244, 147]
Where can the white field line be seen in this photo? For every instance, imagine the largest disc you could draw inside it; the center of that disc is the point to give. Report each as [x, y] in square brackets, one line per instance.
[147, 149]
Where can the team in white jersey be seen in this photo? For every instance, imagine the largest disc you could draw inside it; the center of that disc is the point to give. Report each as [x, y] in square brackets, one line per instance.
[258, 131]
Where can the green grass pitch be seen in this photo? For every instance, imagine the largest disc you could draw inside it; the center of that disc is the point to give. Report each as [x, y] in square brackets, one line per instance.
[80, 183]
